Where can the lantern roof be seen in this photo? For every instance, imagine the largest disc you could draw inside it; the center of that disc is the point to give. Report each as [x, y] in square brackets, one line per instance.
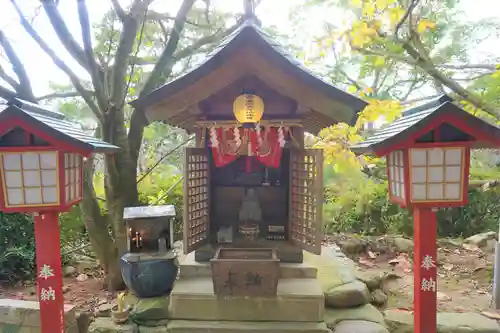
[51, 126]
[141, 212]
[415, 124]
[341, 106]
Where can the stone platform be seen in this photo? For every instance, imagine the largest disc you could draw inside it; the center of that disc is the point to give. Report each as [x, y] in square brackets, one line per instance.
[21, 316]
[186, 326]
[190, 268]
[297, 300]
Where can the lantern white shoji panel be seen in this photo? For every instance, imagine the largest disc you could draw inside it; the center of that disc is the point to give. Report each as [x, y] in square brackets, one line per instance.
[30, 178]
[436, 174]
[73, 176]
[396, 165]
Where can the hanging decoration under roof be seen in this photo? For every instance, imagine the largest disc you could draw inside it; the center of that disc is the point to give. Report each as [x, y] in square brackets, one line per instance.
[265, 144]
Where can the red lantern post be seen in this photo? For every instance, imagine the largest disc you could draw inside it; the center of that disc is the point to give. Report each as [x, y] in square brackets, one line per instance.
[41, 169]
[428, 157]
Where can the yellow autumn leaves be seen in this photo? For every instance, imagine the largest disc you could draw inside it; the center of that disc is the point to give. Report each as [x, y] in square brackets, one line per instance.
[378, 16]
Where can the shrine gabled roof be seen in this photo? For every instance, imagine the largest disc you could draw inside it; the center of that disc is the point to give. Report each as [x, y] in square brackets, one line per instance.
[248, 33]
[423, 118]
[53, 124]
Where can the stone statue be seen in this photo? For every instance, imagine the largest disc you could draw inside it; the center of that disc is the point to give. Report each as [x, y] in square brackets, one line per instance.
[250, 208]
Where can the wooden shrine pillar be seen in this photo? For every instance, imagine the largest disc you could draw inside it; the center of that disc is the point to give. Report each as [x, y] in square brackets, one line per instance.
[298, 134]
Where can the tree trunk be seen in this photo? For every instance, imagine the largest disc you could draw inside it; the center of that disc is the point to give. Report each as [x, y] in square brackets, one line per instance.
[108, 233]
[99, 234]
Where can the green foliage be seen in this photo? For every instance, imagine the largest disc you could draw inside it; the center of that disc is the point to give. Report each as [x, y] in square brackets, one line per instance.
[17, 243]
[17, 250]
[365, 209]
[153, 191]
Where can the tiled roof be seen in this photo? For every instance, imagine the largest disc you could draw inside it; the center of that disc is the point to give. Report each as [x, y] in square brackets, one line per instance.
[417, 117]
[55, 124]
[250, 31]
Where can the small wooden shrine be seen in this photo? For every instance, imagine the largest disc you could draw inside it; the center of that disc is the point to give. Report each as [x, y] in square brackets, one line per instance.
[250, 182]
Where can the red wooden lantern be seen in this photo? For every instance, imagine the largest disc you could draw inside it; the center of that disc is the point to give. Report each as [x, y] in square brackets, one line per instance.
[41, 172]
[428, 157]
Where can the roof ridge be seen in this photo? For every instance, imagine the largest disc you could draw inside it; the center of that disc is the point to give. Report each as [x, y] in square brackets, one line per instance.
[30, 107]
[428, 105]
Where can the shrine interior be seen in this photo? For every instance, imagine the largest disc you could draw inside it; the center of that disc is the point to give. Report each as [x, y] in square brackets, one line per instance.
[229, 186]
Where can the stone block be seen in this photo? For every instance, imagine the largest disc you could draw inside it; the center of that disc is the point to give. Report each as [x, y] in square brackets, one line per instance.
[11, 328]
[150, 309]
[184, 326]
[365, 313]
[157, 329]
[27, 313]
[298, 300]
[359, 326]
[106, 325]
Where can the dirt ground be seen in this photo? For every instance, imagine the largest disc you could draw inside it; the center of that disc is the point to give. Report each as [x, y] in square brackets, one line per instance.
[464, 277]
[464, 280]
[85, 295]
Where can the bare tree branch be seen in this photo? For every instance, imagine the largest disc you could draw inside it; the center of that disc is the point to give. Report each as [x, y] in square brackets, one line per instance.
[66, 94]
[62, 31]
[119, 10]
[189, 50]
[163, 68]
[468, 66]
[94, 69]
[23, 85]
[407, 14]
[155, 16]
[166, 61]
[58, 62]
[122, 56]
[7, 94]
[9, 79]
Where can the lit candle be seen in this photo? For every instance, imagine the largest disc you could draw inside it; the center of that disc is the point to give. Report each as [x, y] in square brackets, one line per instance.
[137, 239]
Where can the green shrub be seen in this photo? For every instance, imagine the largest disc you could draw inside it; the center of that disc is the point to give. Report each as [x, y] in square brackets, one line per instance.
[17, 247]
[366, 210]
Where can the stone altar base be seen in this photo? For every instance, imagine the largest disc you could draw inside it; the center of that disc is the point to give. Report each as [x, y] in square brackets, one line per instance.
[190, 268]
[298, 300]
[184, 326]
[287, 252]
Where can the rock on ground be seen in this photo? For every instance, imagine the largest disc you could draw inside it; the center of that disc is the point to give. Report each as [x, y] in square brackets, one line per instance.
[373, 280]
[402, 322]
[378, 297]
[402, 244]
[348, 295]
[147, 310]
[364, 313]
[359, 326]
[106, 325]
[334, 269]
[481, 239]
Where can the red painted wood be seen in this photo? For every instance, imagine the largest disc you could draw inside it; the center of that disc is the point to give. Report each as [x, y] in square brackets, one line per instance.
[49, 273]
[9, 124]
[407, 180]
[424, 271]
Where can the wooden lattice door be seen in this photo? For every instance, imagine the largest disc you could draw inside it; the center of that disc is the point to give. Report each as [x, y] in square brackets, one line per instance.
[196, 199]
[306, 199]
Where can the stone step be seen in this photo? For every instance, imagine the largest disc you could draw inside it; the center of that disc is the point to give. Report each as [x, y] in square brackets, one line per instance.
[189, 268]
[297, 300]
[186, 326]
